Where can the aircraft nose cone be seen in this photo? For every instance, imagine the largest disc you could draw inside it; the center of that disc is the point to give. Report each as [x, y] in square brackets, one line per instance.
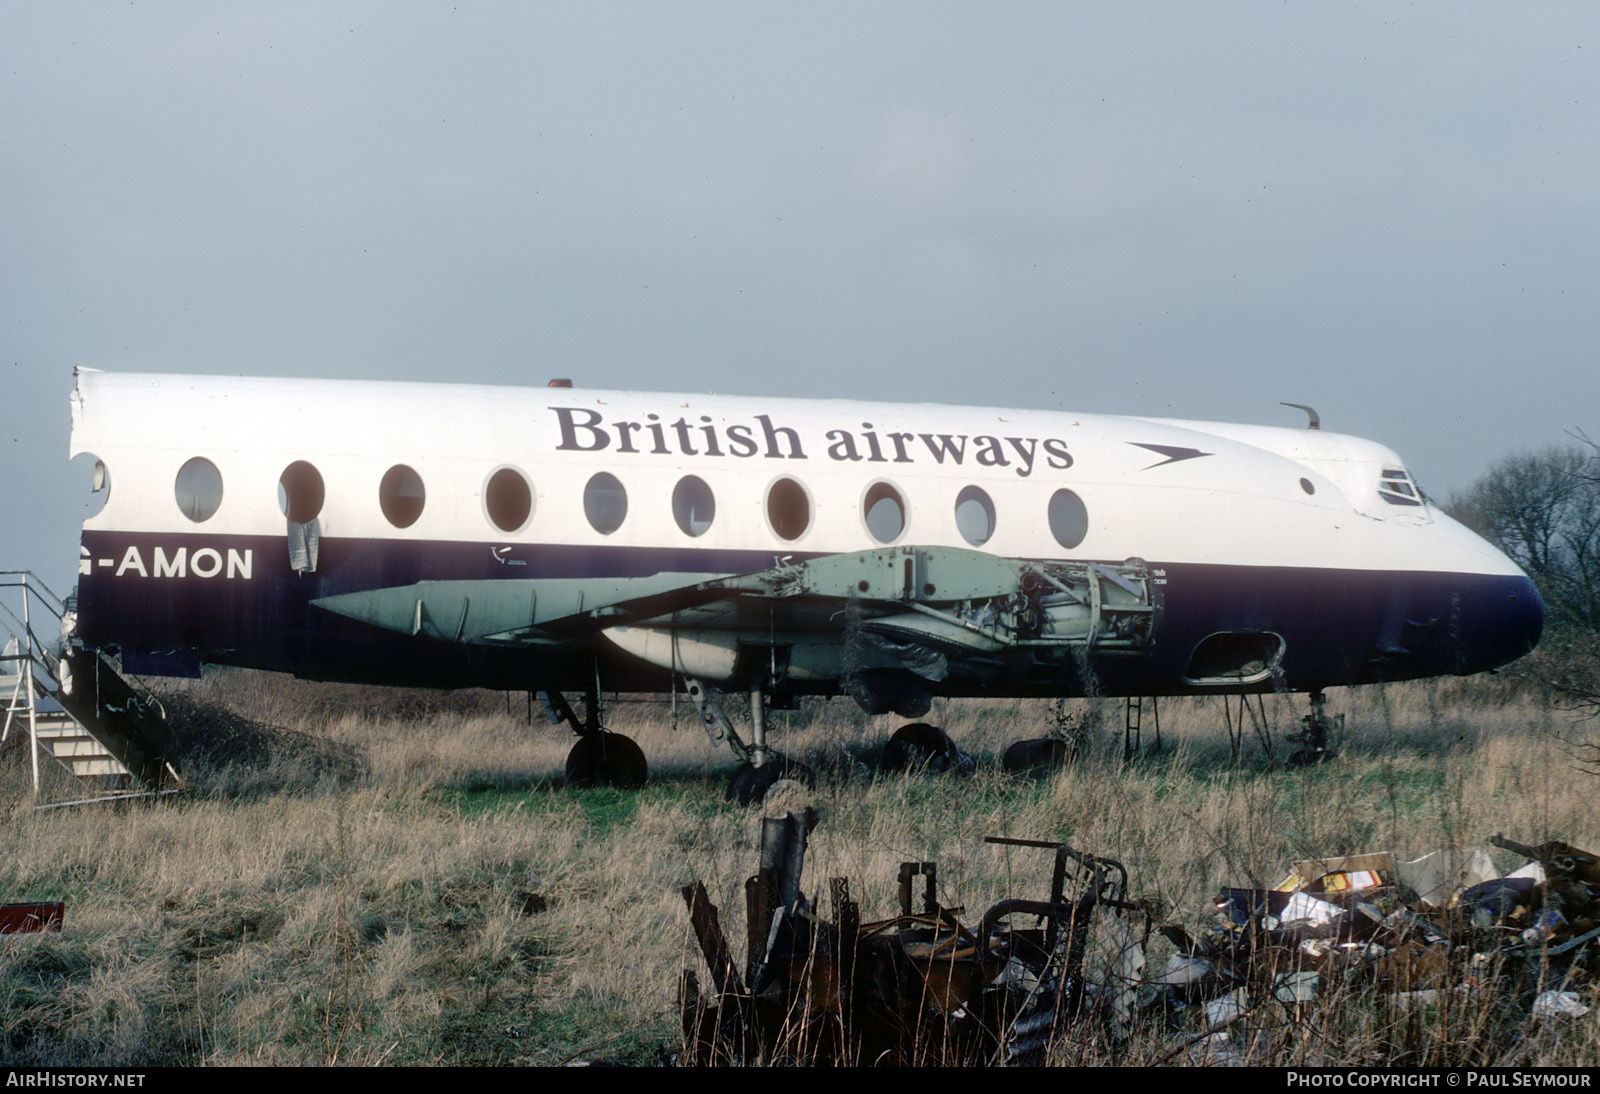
[1501, 620]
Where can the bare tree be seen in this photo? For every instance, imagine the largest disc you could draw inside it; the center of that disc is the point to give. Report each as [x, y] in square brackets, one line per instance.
[1543, 510]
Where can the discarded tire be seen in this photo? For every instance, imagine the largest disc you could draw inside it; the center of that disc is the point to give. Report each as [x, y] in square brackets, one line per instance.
[1036, 756]
[919, 747]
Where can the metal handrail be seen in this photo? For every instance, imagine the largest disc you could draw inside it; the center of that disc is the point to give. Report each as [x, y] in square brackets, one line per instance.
[40, 669]
[57, 604]
[38, 652]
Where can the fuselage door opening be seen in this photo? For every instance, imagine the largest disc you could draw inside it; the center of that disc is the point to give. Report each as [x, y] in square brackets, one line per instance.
[1231, 658]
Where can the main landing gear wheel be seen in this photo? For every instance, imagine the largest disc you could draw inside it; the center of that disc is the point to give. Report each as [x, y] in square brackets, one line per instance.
[749, 785]
[606, 759]
[919, 747]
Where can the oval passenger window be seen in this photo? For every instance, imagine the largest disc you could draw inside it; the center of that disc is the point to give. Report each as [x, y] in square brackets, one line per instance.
[300, 492]
[198, 489]
[884, 511]
[1069, 520]
[605, 503]
[401, 496]
[693, 506]
[788, 509]
[974, 516]
[508, 499]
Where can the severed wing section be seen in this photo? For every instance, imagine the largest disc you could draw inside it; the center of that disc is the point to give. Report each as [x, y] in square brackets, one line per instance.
[901, 609]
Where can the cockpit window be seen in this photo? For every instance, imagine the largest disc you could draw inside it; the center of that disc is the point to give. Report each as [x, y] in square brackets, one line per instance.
[1396, 488]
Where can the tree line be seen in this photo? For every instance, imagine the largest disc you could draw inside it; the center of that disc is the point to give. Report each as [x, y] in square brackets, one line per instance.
[1543, 510]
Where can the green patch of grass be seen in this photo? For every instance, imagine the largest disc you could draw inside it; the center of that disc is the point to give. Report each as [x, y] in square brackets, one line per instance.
[603, 807]
[586, 1030]
[1407, 789]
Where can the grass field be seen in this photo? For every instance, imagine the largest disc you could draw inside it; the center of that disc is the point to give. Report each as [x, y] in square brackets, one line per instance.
[368, 877]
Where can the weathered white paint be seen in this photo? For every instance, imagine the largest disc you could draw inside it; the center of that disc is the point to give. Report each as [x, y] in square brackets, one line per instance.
[1242, 504]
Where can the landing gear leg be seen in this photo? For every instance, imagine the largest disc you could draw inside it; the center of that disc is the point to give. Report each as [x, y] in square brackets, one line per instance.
[1314, 737]
[713, 719]
[762, 767]
[758, 728]
[599, 758]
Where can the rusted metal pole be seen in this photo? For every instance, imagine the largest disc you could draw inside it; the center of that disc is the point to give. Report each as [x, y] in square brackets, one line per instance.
[713, 943]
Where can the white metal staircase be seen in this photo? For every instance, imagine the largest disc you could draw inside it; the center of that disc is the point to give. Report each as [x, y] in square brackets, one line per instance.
[75, 709]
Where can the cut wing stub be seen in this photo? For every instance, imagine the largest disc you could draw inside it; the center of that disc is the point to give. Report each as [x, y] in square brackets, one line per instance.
[919, 605]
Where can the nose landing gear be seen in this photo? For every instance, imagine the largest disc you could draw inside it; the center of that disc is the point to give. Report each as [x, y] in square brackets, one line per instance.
[1313, 739]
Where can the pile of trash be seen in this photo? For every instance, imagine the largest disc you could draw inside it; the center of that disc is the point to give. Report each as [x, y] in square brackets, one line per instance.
[1423, 940]
[1415, 930]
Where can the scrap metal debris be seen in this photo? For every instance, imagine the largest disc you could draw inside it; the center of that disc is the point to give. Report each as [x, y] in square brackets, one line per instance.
[1399, 927]
[27, 918]
[920, 987]
[924, 987]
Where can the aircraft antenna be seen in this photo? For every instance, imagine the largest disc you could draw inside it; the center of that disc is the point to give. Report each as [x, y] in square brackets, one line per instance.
[1315, 422]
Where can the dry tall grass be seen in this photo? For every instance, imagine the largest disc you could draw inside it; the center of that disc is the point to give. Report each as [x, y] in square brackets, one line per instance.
[369, 877]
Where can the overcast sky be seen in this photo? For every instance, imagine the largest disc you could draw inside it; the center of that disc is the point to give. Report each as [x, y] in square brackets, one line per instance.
[1388, 211]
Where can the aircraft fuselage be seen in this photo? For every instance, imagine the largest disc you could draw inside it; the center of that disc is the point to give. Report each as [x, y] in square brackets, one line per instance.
[453, 535]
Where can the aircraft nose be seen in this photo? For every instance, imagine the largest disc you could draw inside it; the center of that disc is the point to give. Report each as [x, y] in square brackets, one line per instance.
[1501, 619]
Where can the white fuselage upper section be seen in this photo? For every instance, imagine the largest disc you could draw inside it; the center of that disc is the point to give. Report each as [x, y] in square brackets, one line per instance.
[1165, 491]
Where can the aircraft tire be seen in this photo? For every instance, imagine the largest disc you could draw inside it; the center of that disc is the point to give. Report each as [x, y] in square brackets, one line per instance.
[607, 759]
[1038, 755]
[921, 748]
[749, 785]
